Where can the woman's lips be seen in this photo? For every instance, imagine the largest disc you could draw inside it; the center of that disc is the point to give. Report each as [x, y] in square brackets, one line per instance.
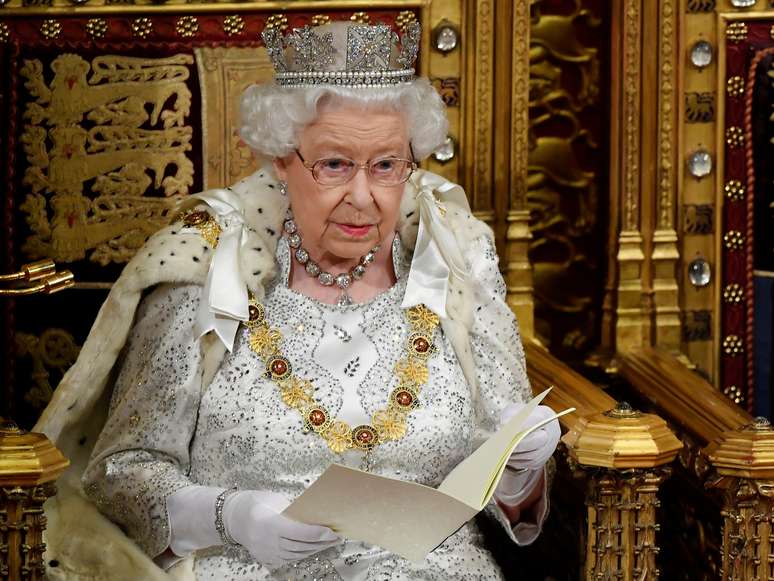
[355, 230]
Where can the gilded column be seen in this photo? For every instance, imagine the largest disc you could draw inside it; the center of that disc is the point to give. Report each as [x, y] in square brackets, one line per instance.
[624, 454]
[518, 270]
[665, 253]
[631, 324]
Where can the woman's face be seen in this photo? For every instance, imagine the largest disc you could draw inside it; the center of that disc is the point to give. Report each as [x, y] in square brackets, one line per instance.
[345, 221]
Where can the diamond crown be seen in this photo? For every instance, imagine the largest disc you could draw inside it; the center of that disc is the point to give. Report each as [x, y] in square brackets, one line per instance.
[343, 53]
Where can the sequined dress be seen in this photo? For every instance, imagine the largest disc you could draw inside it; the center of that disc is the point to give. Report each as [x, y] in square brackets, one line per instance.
[167, 431]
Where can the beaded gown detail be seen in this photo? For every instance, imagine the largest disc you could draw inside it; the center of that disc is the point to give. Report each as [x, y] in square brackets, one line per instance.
[167, 431]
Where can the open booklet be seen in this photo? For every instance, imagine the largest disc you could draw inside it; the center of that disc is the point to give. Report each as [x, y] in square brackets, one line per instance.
[407, 518]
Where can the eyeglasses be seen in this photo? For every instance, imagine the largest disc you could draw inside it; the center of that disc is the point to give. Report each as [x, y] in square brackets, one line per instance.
[337, 171]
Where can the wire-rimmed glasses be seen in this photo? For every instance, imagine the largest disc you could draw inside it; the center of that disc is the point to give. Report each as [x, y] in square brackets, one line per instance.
[337, 171]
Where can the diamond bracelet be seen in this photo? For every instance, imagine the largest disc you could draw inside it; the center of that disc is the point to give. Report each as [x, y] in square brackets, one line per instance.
[220, 526]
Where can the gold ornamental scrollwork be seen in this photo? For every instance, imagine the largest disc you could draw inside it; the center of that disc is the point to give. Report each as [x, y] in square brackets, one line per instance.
[136, 110]
[55, 350]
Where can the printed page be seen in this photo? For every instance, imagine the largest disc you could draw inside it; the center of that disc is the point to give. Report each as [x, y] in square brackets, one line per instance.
[407, 518]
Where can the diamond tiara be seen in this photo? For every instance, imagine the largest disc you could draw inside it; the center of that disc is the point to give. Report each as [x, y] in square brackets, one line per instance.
[343, 53]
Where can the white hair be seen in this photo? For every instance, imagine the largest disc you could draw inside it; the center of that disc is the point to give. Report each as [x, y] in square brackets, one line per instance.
[272, 117]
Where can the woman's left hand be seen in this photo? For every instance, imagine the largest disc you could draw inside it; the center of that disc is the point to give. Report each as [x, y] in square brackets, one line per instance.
[534, 450]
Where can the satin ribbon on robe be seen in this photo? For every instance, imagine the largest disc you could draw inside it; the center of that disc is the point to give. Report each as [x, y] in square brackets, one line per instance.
[225, 290]
[437, 256]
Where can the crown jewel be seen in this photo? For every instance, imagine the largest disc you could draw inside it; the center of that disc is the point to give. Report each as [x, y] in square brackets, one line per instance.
[343, 53]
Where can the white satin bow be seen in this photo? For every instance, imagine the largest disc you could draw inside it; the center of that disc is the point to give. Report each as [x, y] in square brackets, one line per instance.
[437, 256]
[225, 291]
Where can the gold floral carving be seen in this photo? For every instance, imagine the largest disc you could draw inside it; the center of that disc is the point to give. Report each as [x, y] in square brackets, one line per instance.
[361, 17]
[404, 19]
[187, 26]
[224, 72]
[137, 108]
[233, 25]
[320, 19]
[482, 174]
[630, 116]
[51, 28]
[55, 350]
[96, 27]
[142, 27]
[277, 21]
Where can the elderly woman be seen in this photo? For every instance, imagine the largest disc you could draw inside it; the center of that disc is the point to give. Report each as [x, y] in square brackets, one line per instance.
[340, 305]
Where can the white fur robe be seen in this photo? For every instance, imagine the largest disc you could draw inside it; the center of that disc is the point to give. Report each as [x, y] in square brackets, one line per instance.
[82, 543]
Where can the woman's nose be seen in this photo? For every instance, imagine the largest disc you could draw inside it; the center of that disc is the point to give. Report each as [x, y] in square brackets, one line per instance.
[360, 189]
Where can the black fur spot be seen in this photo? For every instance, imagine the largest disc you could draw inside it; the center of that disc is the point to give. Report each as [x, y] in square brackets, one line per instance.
[271, 186]
[184, 242]
[258, 249]
[161, 262]
[53, 563]
[411, 213]
[196, 259]
[82, 441]
[260, 210]
[257, 273]
[270, 231]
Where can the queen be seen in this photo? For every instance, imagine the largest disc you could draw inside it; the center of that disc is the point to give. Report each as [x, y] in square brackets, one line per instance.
[339, 305]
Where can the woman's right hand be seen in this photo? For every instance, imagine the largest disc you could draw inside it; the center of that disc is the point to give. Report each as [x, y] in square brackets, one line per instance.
[254, 520]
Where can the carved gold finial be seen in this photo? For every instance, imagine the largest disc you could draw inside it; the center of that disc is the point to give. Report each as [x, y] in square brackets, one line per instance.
[622, 438]
[747, 452]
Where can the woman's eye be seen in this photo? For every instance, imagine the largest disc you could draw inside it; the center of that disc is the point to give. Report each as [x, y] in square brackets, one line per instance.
[335, 164]
[384, 165]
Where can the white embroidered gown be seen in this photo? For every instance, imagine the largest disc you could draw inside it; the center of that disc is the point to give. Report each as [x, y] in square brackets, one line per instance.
[167, 431]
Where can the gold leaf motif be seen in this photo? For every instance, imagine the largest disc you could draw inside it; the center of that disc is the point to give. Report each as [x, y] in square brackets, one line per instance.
[338, 436]
[320, 19]
[265, 341]
[404, 19]
[5, 32]
[96, 27]
[142, 27]
[187, 26]
[279, 21]
[51, 354]
[233, 25]
[411, 372]
[389, 424]
[361, 17]
[296, 393]
[51, 28]
[735, 86]
[422, 318]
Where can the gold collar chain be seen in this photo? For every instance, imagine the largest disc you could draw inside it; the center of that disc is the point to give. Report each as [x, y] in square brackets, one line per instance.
[388, 424]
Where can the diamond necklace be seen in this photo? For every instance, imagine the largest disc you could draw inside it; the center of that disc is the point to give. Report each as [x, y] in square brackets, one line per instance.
[343, 280]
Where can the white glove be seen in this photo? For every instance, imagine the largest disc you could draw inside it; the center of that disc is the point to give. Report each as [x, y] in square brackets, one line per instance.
[251, 518]
[534, 450]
